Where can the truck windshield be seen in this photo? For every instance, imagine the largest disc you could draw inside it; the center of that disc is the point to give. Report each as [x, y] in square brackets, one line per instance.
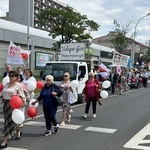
[57, 70]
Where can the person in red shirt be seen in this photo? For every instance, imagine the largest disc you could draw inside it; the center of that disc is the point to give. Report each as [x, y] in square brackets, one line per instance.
[92, 94]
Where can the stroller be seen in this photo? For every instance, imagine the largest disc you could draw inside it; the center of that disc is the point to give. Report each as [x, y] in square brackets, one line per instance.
[133, 83]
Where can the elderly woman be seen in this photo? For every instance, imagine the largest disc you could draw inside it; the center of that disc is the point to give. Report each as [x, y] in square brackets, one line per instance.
[49, 106]
[65, 86]
[92, 94]
[10, 89]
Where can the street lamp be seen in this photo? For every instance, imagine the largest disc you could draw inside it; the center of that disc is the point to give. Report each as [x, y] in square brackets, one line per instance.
[134, 35]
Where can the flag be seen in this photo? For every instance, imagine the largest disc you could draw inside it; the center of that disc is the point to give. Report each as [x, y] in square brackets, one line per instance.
[118, 69]
[103, 68]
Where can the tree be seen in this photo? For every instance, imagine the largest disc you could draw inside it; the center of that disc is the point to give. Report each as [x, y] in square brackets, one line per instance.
[119, 39]
[68, 24]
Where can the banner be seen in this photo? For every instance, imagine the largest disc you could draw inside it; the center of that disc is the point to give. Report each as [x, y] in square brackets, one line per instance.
[103, 68]
[14, 55]
[120, 59]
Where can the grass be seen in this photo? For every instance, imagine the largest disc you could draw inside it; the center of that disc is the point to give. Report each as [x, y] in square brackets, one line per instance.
[36, 77]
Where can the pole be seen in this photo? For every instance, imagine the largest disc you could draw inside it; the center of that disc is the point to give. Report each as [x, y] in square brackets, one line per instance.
[134, 35]
[28, 36]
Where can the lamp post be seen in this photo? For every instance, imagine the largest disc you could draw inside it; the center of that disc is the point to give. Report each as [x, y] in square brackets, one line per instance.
[134, 35]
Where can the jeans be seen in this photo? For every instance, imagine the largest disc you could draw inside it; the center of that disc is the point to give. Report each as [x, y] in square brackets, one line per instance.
[50, 117]
[88, 103]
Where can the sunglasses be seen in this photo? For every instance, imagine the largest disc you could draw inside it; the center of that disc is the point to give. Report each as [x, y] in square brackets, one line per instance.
[65, 76]
[11, 75]
[91, 76]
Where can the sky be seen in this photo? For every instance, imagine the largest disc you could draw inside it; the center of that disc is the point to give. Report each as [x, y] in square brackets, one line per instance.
[105, 11]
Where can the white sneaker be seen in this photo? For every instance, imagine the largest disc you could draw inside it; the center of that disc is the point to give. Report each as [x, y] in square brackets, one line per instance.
[84, 116]
[47, 133]
[62, 123]
[94, 115]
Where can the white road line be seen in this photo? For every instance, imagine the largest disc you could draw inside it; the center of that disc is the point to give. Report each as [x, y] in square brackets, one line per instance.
[12, 148]
[103, 130]
[1, 120]
[66, 126]
[134, 142]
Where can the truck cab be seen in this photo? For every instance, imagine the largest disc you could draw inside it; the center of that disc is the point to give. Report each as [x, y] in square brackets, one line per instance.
[77, 70]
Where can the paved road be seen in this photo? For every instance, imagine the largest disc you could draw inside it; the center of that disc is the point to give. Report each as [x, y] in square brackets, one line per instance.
[122, 123]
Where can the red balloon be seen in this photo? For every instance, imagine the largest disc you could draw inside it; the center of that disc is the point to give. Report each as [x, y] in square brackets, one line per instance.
[140, 79]
[16, 102]
[32, 112]
[39, 85]
[24, 56]
[1, 87]
[133, 80]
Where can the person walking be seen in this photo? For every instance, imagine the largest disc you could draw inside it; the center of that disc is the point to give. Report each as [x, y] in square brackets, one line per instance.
[49, 106]
[92, 94]
[123, 82]
[10, 127]
[113, 79]
[65, 87]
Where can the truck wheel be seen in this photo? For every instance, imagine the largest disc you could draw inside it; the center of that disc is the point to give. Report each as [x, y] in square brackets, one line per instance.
[82, 99]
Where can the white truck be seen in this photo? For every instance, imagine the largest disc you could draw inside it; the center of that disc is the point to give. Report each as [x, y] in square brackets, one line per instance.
[78, 70]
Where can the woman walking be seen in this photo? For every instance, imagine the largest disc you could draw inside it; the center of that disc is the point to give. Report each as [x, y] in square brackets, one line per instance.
[10, 89]
[92, 94]
[49, 106]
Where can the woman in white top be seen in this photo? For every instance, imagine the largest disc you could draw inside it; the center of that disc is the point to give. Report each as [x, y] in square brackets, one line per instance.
[10, 89]
[28, 79]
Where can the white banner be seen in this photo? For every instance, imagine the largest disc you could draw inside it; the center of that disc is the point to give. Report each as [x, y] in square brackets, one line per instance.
[72, 51]
[120, 59]
[14, 55]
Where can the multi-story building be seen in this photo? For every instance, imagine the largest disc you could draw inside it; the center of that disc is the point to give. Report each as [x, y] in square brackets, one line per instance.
[26, 11]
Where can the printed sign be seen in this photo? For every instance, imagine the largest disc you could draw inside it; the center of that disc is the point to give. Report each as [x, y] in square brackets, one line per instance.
[72, 51]
[14, 55]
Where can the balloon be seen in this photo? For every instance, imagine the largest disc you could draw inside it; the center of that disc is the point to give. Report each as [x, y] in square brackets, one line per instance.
[140, 79]
[31, 86]
[32, 112]
[133, 80]
[5, 80]
[1, 87]
[39, 85]
[16, 102]
[104, 94]
[106, 84]
[18, 116]
[31, 101]
[74, 84]
[24, 56]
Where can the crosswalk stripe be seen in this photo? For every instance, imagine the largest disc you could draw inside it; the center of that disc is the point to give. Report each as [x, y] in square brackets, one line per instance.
[103, 130]
[12, 148]
[66, 126]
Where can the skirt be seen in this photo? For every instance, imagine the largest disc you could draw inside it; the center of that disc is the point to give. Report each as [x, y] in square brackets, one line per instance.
[9, 126]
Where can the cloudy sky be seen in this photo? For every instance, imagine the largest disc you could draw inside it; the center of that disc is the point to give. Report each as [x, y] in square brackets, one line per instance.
[105, 11]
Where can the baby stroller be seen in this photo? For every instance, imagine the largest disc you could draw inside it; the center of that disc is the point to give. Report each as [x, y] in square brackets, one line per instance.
[133, 83]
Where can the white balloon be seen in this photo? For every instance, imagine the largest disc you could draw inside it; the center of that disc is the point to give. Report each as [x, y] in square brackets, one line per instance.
[5, 80]
[106, 84]
[31, 86]
[18, 116]
[74, 84]
[31, 101]
[104, 94]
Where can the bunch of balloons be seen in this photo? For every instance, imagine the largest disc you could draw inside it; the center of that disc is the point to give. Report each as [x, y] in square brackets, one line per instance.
[17, 115]
[106, 84]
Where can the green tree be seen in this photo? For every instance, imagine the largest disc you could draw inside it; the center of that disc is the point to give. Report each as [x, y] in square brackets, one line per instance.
[119, 39]
[68, 24]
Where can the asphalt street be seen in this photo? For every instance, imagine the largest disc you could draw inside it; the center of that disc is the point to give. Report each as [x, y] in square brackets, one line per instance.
[122, 123]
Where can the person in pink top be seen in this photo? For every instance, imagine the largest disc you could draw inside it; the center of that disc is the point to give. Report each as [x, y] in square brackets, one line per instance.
[92, 94]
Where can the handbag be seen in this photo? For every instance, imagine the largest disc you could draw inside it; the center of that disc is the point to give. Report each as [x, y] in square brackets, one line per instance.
[58, 100]
[72, 96]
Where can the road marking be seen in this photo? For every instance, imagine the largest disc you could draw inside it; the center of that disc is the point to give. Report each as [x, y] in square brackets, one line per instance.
[12, 148]
[66, 126]
[69, 126]
[103, 130]
[134, 143]
[1, 120]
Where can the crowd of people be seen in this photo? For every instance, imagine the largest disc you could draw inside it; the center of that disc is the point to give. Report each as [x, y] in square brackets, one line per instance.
[19, 79]
[126, 79]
